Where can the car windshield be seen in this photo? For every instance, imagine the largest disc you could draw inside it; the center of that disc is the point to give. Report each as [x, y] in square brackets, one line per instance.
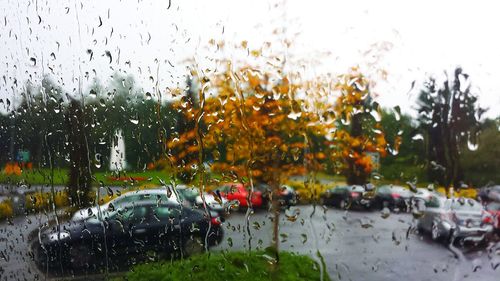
[249, 140]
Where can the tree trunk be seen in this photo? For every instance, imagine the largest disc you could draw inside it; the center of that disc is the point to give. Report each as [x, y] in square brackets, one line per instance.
[79, 168]
[355, 174]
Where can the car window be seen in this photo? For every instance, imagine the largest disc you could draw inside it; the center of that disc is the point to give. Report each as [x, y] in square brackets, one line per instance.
[340, 189]
[164, 213]
[125, 199]
[384, 189]
[433, 202]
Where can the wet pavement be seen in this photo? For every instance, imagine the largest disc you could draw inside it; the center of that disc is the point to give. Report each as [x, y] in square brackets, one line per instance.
[365, 246]
[354, 246]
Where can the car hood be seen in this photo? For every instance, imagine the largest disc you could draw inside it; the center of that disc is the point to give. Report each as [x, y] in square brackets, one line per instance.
[70, 230]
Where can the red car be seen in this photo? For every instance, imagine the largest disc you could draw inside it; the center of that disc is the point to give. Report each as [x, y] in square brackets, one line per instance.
[493, 209]
[237, 191]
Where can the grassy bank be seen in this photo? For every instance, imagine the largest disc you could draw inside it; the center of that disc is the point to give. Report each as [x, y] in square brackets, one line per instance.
[240, 266]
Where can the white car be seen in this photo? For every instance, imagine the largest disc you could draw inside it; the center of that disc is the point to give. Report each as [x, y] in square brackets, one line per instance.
[133, 196]
[211, 202]
[192, 195]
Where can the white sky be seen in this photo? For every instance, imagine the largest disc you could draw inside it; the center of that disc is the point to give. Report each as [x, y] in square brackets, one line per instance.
[420, 38]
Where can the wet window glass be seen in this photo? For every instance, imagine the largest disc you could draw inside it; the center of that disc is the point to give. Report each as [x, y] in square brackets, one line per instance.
[250, 140]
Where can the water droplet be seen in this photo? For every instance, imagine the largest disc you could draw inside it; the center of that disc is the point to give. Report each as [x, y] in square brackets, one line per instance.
[417, 137]
[397, 113]
[385, 213]
[98, 160]
[256, 225]
[294, 115]
[108, 54]
[292, 214]
[472, 146]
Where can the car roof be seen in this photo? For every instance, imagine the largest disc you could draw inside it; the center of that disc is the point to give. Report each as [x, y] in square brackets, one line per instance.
[147, 191]
[156, 191]
[151, 204]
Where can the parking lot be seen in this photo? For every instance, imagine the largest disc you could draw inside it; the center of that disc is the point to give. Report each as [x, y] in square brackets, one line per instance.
[353, 245]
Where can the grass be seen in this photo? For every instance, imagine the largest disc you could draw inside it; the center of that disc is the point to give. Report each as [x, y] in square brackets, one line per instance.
[36, 177]
[59, 176]
[230, 266]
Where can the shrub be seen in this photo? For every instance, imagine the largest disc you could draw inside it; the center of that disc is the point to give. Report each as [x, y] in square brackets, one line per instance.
[6, 209]
[39, 201]
[310, 192]
[230, 266]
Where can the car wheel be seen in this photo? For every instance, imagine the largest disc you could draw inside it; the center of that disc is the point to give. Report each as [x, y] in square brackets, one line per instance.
[435, 232]
[194, 246]
[79, 256]
[342, 204]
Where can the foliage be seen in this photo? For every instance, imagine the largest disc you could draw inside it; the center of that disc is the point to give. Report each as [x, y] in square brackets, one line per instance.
[449, 117]
[358, 132]
[230, 266]
[481, 165]
[468, 192]
[43, 201]
[253, 126]
[407, 162]
[310, 192]
[6, 210]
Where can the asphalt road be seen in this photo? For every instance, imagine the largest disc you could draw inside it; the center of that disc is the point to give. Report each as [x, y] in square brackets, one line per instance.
[354, 246]
[366, 246]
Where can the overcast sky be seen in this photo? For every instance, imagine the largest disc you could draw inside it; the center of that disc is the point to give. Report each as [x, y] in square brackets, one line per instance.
[151, 40]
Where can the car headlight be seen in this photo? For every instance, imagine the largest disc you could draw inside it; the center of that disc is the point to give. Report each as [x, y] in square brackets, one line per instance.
[58, 236]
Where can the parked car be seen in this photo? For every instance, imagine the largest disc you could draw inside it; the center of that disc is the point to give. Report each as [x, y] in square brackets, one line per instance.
[238, 192]
[187, 194]
[159, 194]
[265, 190]
[422, 194]
[344, 197]
[462, 219]
[489, 194]
[192, 196]
[287, 196]
[133, 231]
[393, 197]
[493, 208]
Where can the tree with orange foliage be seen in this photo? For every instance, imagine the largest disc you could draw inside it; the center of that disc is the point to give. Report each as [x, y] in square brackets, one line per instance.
[359, 130]
[254, 126]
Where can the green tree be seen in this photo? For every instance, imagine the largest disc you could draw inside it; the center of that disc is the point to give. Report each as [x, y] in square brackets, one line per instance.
[448, 116]
[481, 164]
[406, 149]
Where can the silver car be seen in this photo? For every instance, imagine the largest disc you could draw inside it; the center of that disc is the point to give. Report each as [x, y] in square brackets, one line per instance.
[126, 198]
[461, 219]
